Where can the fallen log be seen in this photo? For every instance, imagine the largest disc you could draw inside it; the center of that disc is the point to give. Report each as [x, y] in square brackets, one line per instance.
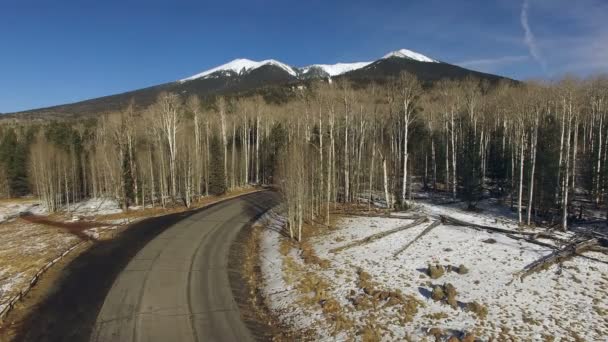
[599, 249]
[532, 241]
[361, 214]
[533, 235]
[387, 215]
[423, 233]
[379, 235]
[572, 249]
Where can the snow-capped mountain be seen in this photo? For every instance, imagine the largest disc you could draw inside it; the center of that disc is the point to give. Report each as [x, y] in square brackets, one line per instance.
[405, 53]
[272, 79]
[239, 67]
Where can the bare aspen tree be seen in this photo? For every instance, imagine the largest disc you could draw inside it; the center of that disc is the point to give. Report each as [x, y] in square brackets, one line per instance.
[222, 111]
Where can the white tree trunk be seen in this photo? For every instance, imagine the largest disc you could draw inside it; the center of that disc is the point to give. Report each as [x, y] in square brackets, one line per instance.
[521, 175]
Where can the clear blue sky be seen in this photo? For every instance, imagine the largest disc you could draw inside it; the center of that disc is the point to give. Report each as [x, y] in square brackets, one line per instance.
[54, 52]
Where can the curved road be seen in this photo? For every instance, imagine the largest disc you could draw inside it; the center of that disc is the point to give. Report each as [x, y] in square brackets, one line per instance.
[176, 288]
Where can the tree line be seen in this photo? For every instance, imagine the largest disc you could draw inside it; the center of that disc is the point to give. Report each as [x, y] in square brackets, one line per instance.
[539, 146]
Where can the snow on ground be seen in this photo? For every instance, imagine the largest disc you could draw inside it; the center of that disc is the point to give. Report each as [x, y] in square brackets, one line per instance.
[95, 206]
[12, 209]
[27, 245]
[25, 249]
[566, 301]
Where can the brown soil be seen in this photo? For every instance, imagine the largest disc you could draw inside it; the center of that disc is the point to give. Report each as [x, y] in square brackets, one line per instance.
[75, 228]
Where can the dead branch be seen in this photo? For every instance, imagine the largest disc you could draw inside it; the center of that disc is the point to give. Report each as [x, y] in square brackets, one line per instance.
[530, 235]
[599, 249]
[380, 235]
[532, 241]
[575, 248]
[423, 233]
[387, 215]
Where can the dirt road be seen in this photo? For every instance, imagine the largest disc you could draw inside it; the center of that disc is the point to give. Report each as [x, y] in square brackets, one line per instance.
[177, 288]
[165, 280]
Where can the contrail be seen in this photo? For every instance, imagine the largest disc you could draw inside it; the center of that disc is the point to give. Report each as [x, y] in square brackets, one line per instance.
[529, 37]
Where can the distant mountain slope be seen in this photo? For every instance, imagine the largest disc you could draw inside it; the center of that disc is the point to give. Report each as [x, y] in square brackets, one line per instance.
[427, 72]
[244, 75]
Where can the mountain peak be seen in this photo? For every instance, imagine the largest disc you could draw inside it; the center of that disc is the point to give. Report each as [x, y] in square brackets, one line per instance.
[405, 53]
[241, 66]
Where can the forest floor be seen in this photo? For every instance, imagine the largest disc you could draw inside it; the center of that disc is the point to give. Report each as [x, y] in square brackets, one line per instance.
[453, 281]
[32, 238]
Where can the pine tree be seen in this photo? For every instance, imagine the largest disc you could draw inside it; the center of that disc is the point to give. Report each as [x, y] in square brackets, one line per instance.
[217, 181]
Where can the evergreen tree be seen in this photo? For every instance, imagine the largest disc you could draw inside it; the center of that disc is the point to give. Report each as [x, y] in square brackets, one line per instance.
[13, 156]
[469, 171]
[217, 184]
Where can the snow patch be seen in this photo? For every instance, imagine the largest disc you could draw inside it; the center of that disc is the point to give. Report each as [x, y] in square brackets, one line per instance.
[241, 66]
[96, 206]
[409, 54]
[338, 68]
[10, 210]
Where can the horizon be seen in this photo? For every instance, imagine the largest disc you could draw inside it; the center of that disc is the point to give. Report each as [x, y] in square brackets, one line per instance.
[70, 52]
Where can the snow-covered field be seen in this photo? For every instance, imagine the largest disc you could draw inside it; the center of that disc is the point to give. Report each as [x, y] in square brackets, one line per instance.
[12, 209]
[27, 245]
[25, 249]
[567, 302]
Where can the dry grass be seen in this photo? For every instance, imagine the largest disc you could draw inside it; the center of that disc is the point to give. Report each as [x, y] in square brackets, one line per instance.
[462, 269]
[437, 333]
[410, 308]
[437, 316]
[373, 298]
[20, 200]
[600, 311]
[438, 294]
[250, 266]
[526, 318]
[445, 293]
[478, 309]
[26, 248]
[435, 271]
[291, 270]
[310, 257]
[314, 292]
[469, 338]
[285, 246]
[451, 293]
[364, 282]
[252, 274]
[371, 331]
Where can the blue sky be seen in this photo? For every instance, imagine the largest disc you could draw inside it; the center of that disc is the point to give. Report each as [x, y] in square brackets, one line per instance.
[54, 52]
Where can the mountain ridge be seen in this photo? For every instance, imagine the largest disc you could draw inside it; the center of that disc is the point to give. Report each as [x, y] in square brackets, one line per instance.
[244, 76]
[240, 66]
